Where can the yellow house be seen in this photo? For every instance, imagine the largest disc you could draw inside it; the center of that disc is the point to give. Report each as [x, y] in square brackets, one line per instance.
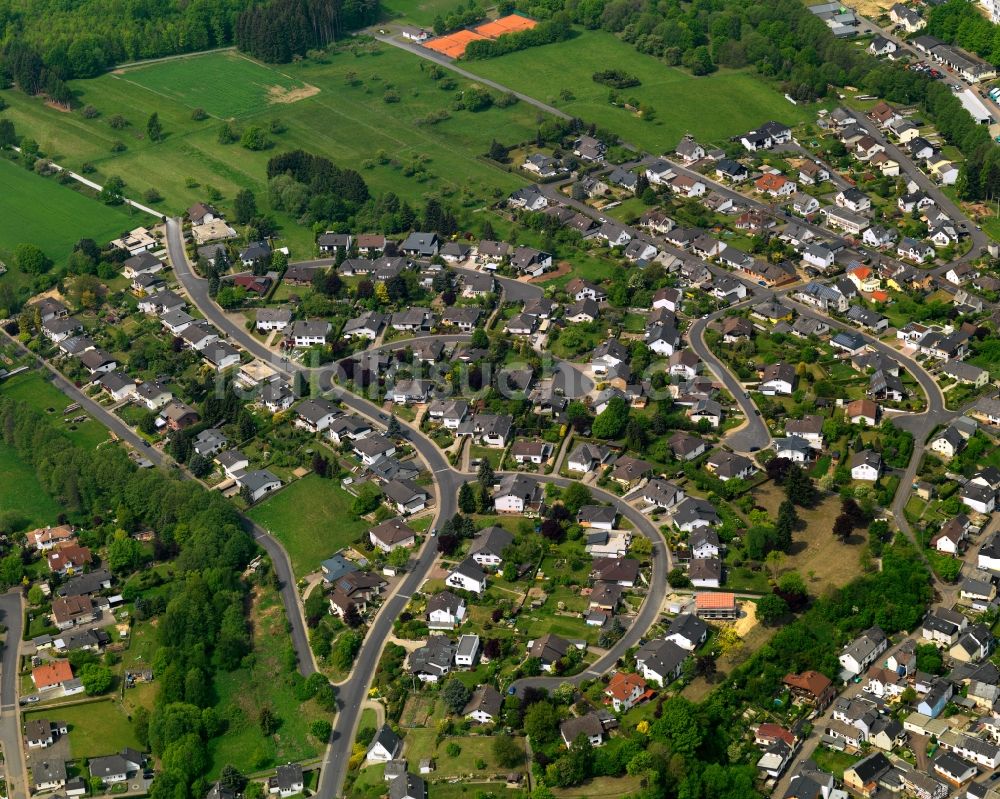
[864, 278]
[886, 165]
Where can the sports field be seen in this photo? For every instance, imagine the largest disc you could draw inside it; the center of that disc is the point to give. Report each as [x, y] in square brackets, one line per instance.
[397, 145]
[235, 86]
[712, 108]
[43, 212]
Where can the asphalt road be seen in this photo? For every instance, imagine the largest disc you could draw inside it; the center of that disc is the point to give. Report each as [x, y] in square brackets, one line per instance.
[448, 63]
[95, 409]
[354, 690]
[662, 563]
[279, 558]
[754, 435]
[513, 290]
[12, 617]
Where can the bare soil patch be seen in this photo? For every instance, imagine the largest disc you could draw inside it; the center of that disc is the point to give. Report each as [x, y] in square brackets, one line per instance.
[563, 268]
[279, 94]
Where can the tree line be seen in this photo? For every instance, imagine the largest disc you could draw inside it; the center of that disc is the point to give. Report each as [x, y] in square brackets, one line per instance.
[44, 43]
[279, 30]
[201, 625]
[553, 30]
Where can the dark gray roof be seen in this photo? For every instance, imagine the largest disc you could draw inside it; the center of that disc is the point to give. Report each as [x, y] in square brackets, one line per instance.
[486, 699]
[491, 541]
[389, 740]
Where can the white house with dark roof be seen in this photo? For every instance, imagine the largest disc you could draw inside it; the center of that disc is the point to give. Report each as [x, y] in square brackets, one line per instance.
[468, 576]
[488, 546]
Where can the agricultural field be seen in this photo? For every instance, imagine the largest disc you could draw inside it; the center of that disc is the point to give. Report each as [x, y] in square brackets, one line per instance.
[342, 114]
[312, 519]
[52, 216]
[239, 85]
[712, 108]
[95, 728]
[31, 387]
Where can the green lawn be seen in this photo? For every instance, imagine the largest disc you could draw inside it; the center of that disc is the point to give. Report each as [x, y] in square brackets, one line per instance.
[346, 121]
[36, 507]
[419, 743]
[32, 387]
[238, 86]
[712, 108]
[54, 217]
[312, 519]
[95, 729]
[834, 762]
[419, 13]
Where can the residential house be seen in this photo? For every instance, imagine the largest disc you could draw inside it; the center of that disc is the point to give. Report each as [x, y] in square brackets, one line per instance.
[588, 726]
[259, 483]
[445, 611]
[392, 534]
[660, 661]
[687, 631]
[385, 746]
[468, 576]
[857, 656]
[549, 649]
[866, 465]
[484, 705]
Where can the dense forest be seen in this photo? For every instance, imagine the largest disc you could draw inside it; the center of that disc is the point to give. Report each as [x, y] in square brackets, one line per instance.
[281, 29]
[201, 624]
[959, 22]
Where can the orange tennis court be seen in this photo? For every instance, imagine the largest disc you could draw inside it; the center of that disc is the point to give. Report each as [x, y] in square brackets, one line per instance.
[453, 45]
[512, 23]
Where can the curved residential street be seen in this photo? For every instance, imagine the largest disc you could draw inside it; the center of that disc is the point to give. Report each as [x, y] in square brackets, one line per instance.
[754, 434]
[750, 437]
[352, 692]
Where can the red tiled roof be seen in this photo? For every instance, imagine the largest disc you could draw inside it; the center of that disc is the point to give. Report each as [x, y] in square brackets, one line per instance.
[716, 599]
[54, 673]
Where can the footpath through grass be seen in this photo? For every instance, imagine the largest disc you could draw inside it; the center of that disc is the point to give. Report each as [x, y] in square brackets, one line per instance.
[312, 519]
[712, 108]
[378, 105]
